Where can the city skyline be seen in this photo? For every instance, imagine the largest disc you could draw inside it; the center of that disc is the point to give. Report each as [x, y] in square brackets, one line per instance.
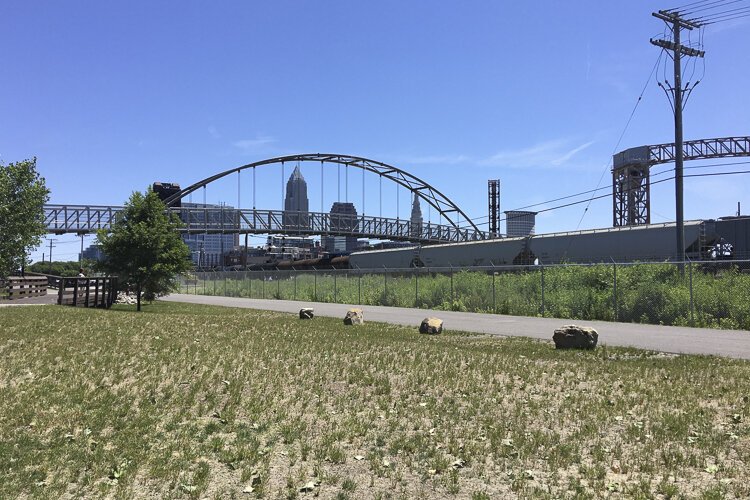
[539, 96]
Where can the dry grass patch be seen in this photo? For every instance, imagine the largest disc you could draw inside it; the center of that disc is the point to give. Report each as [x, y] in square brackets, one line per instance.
[197, 401]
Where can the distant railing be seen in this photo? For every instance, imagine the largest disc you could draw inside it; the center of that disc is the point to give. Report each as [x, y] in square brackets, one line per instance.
[61, 219]
[21, 287]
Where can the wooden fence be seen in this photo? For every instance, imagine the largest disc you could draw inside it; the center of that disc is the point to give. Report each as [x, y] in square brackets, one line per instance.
[22, 287]
[87, 292]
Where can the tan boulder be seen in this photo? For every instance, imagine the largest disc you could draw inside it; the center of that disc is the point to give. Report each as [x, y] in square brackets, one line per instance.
[431, 326]
[354, 316]
[575, 337]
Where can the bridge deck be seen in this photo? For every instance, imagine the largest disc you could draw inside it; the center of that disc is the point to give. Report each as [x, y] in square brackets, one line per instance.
[80, 219]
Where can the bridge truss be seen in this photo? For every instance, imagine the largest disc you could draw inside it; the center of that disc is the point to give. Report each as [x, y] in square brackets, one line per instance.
[446, 208]
[631, 194]
[60, 219]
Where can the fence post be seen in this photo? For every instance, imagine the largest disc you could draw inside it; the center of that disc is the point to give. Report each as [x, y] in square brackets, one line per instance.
[359, 288]
[263, 285]
[451, 273]
[60, 289]
[385, 286]
[614, 288]
[213, 278]
[295, 286]
[692, 306]
[96, 292]
[75, 293]
[494, 303]
[542, 267]
[335, 288]
[315, 286]
[225, 286]
[278, 286]
[416, 286]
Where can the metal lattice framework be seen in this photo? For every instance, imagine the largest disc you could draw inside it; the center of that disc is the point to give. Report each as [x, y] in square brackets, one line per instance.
[631, 172]
[60, 219]
[204, 219]
[444, 206]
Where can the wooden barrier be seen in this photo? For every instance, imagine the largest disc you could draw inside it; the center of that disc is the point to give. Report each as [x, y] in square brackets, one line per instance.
[23, 287]
[87, 292]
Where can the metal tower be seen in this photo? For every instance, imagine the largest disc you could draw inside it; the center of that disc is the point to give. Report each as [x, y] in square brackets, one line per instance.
[493, 197]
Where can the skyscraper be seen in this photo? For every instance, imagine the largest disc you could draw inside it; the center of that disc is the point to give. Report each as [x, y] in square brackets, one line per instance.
[296, 203]
[416, 217]
[343, 218]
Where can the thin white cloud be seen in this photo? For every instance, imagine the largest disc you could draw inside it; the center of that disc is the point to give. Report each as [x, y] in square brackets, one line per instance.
[214, 132]
[437, 160]
[542, 155]
[259, 144]
[570, 154]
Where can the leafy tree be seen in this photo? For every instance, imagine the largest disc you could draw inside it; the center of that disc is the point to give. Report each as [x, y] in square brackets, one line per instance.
[144, 248]
[23, 194]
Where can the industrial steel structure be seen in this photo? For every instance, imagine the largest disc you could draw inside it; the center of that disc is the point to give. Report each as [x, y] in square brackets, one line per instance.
[631, 178]
[444, 206]
[723, 239]
[493, 206]
[60, 219]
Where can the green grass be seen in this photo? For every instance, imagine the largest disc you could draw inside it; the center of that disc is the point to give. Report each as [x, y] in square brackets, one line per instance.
[191, 401]
[645, 293]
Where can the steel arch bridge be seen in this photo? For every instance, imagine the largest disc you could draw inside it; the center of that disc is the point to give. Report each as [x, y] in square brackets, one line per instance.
[85, 219]
[631, 183]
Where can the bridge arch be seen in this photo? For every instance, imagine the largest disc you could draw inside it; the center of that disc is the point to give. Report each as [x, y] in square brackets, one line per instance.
[444, 206]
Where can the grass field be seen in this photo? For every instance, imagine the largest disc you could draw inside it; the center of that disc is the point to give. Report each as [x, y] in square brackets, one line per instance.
[202, 402]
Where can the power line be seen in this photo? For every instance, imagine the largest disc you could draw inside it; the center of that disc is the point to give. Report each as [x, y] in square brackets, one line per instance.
[716, 20]
[719, 15]
[624, 130]
[708, 174]
[708, 6]
[676, 9]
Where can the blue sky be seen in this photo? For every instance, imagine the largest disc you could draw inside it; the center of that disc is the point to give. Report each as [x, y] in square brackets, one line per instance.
[111, 96]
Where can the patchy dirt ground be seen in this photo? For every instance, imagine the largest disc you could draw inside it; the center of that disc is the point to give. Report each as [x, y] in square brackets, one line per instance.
[202, 402]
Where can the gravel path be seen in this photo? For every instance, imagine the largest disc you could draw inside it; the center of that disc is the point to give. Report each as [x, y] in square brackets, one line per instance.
[672, 339]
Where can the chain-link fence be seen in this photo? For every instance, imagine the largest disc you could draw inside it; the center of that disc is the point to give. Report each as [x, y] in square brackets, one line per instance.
[708, 294]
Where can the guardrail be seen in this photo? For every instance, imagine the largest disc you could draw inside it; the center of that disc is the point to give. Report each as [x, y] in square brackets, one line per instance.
[21, 287]
[87, 292]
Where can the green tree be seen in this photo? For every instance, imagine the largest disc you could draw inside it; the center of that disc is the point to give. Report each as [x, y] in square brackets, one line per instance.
[23, 194]
[144, 248]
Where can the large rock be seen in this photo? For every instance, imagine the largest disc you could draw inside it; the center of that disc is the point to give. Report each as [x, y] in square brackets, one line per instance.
[575, 337]
[124, 298]
[306, 313]
[431, 326]
[354, 317]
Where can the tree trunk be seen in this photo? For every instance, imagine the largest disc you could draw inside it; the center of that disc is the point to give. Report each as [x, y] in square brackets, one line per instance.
[138, 297]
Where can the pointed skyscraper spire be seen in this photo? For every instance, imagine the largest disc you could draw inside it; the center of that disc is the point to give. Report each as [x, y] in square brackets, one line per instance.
[416, 217]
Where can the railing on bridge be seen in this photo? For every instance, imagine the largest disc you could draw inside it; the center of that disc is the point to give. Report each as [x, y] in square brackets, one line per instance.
[61, 219]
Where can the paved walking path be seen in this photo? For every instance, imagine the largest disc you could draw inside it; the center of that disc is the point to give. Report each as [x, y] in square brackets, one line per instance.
[673, 339]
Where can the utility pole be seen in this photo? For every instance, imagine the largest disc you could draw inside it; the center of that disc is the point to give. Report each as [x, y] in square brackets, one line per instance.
[80, 255]
[51, 246]
[676, 24]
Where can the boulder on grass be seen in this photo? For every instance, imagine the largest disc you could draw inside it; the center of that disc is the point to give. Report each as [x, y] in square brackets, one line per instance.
[575, 337]
[354, 317]
[306, 313]
[431, 326]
